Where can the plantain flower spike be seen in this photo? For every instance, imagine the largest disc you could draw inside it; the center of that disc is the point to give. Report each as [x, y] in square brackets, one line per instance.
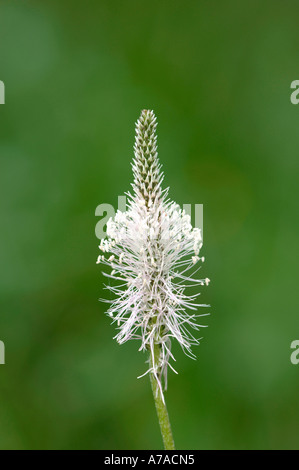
[153, 252]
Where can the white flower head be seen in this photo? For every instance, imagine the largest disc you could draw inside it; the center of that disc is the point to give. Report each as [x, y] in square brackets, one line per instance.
[153, 252]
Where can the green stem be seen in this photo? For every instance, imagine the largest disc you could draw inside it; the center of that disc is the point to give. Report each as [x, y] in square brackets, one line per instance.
[162, 411]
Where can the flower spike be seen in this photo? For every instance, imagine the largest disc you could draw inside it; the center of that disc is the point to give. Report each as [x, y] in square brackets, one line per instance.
[153, 252]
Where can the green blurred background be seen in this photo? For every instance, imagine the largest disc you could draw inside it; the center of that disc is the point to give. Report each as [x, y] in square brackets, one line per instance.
[218, 75]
